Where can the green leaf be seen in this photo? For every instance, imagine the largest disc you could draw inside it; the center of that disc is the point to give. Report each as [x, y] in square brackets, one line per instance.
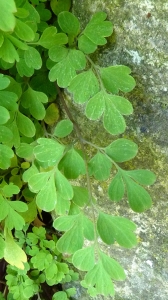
[84, 259]
[10, 189]
[84, 86]
[72, 164]
[96, 31]
[25, 125]
[112, 267]
[138, 197]
[33, 58]
[52, 114]
[6, 134]
[7, 21]
[47, 197]
[145, 177]
[86, 45]
[8, 52]
[2, 243]
[62, 206]
[13, 254]
[48, 151]
[6, 154]
[8, 100]
[60, 5]
[24, 31]
[63, 128]
[88, 229]
[117, 78]
[122, 150]
[17, 43]
[81, 196]
[58, 53]
[38, 181]
[50, 38]
[100, 166]
[33, 100]
[25, 151]
[23, 68]
[95, 107]
[65, 223]
[122, 105]
[116, 188]
[60, 296]
[4, 115]
[63, 186]
[68, 23]
[120, 229]
[4, 82]
[65, 70]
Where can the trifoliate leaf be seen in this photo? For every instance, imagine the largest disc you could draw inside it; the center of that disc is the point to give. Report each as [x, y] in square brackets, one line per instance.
[48, 151]
[84, 259]
[117, 78]
[72, 164]
[52, 114]
[25, 125]
[112, 267]
[6, 154]
[63, 186]
[138, 197]
[4, 115]
[47, 197]
[65, 70]
[33, 58]
[4, 82]
[10, 189]
[63, 128]
[122, 150]
[116, 188]
[45, 14]
[113, 228]
[7, 21]
[50, 38]
[95, 107]
[24, 31]
[6, 134]
[145, 177]
[60, 5]
[68, 23]
[100, 166]
[13, 254]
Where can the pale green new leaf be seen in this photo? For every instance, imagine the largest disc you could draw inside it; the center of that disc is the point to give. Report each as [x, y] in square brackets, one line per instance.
[10, 189]
[84, 259]
[47, 197]
[84, 86]
[100, 166]
[62, 206]
[29, 173]
[48, 151]
[117, 78]
[4, 82]
[65, 70]
[50, 38]
[6, 154]
[116, 188]
[122, 105]
[145, 177]
[7, 20]
[88, 229]
[8, 52]
[65, 223]
[8, 100]
[13, 254]
[38, 181]
[60, 296]
[63, 186]
[113, 228]
[63, 128]
[122, 150]
[25, 125]
[68, 23]
[17, 43]
[95, 106]
[33, 58]
[25, 151]
[2, 243]
[138, 197]
[4, 115]
[24, 31]
[112, 267]
[72, 164]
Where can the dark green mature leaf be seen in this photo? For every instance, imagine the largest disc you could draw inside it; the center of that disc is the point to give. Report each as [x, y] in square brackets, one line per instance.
[145, 177]
[120, 229]
[84, 259]
[112, 267]
[117, 78]
[68, 23]
[25, 125]
[48, 151]
[8, 100]
[4, 82]
[138, 197]
[72, 164]
[65, 70]
[84, 86]
[60, 5]
[63, 128]
[50, 38]
[86, 45]
[6, 154]
[100, 166]
[23, 68]
[57, 53]
[122, 150]
[7, 20]
[116, 188]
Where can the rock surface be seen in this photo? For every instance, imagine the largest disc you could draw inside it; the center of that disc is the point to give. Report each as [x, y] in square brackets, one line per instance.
[140, 42]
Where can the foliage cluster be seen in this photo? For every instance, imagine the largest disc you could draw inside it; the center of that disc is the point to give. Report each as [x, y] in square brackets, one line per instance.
[42, 52]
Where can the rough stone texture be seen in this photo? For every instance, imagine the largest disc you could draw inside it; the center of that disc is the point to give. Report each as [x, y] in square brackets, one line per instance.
[140, 42]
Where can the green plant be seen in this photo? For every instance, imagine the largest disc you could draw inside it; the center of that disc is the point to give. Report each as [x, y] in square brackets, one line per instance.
[42, 52]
